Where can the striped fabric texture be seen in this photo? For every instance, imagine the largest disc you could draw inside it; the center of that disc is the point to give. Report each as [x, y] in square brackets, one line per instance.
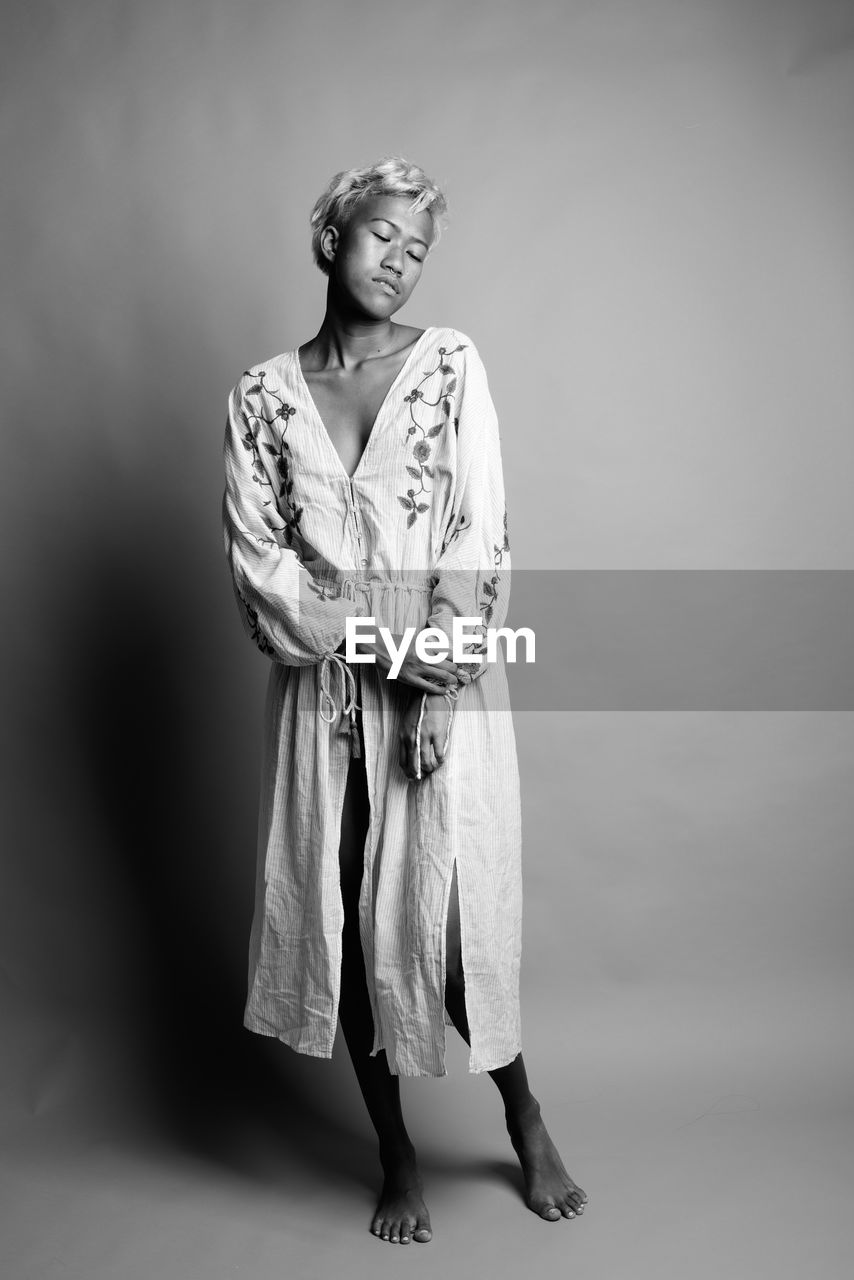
[417, 536]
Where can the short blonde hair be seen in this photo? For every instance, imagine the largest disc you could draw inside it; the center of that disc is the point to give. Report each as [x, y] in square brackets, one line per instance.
[391, 176]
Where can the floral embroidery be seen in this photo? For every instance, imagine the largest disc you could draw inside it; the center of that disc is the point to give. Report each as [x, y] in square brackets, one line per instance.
[280, 451]
[319, 589]
[422, 449]
[490, 588]
[293, 513]
[456, 530]
[255, 631]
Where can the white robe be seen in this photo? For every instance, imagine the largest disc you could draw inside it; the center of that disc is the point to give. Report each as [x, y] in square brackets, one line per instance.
[417, 536]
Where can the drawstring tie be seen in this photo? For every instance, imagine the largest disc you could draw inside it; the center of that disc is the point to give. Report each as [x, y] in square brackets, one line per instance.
[450, 695]
[349, 706]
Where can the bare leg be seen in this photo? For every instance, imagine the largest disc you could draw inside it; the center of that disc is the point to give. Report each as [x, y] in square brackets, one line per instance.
[401, 1214]
[549, 1190]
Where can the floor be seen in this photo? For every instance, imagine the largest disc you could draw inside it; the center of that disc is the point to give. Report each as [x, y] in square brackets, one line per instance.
[266, 1168]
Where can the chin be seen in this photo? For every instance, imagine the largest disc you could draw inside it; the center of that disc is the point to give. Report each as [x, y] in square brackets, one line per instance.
[385, 304]
[382, 311]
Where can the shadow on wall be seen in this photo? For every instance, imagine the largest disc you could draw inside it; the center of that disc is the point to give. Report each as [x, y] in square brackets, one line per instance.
[159, 730]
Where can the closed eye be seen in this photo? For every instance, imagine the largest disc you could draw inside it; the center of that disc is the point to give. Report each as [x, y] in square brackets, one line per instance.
[387, 240]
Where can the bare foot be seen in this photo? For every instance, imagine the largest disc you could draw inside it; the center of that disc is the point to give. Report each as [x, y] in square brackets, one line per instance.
[401, 1214]
[549, 1190]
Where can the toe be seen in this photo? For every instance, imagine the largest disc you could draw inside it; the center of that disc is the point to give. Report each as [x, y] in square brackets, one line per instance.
[566, 1209]
[547, 1209]
[423, 1232]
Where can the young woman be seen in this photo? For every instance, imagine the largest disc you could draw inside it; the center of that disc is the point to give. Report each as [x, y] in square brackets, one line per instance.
[364, 480]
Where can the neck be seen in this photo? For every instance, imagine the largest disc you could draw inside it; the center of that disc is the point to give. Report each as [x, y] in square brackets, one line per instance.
[347, 337]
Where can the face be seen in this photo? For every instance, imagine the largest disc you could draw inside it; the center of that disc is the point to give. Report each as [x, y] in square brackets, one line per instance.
[377, 259]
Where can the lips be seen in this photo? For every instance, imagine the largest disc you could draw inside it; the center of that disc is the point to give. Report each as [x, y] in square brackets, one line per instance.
[387, 280]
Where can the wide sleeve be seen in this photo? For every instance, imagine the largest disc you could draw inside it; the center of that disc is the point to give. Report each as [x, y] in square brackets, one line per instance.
[290, 616]
[472, 573]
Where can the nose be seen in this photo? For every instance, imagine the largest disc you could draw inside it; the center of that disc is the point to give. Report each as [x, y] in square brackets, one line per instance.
[392, 260]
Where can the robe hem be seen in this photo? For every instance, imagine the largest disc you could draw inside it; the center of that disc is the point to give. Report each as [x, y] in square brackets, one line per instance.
[502, 1061]
[291, 1040]
[288, 1038]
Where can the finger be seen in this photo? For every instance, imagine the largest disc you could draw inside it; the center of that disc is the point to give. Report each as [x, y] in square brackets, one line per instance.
[413, 763]
[440, 685]
[435, 740]
[421, 683]
[406, 750]
[443, 672]
[407, 746]
[444, 664]
[428, 757]
[435, 684]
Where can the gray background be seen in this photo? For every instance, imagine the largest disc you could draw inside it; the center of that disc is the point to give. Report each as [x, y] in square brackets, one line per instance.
[652, 209]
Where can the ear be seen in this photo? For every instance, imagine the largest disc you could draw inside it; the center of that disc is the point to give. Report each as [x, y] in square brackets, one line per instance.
[329, 242]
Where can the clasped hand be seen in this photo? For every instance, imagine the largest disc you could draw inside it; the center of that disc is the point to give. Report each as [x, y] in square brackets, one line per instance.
[429, 677]
[422, 677]
[434, 729]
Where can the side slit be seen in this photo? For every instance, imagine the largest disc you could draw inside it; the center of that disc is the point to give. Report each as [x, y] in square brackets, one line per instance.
[370, 873]
[446, 1017]
[358, 810]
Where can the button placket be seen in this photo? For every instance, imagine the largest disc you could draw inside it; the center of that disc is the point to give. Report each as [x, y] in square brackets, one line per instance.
[357, 524]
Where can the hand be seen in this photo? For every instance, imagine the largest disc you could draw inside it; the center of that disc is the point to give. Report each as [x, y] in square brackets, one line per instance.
[427, 677]
[434, 727]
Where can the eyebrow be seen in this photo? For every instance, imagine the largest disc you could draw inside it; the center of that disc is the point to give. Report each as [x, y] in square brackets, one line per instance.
[417, 239]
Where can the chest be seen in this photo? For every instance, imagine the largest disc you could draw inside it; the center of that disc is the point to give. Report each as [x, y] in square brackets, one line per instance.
[349, 403]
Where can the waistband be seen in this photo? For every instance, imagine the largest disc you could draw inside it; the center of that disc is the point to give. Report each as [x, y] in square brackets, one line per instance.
[351, 583]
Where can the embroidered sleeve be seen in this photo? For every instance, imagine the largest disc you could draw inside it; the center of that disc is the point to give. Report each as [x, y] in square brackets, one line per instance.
[473, 569]
[291, 617]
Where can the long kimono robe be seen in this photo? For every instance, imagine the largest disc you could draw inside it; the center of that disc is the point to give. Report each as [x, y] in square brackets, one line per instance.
[417, 536]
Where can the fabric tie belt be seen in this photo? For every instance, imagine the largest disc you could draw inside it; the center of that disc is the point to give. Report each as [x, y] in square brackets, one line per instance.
[350, 584]
[349, 705]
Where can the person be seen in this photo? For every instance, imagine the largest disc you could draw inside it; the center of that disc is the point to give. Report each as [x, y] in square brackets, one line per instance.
[364, 481]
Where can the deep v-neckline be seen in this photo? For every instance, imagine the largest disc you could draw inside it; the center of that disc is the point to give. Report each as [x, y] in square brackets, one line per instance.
[373, 431]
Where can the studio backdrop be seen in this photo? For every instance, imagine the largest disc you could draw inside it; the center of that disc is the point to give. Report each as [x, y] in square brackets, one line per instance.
[650, 243]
